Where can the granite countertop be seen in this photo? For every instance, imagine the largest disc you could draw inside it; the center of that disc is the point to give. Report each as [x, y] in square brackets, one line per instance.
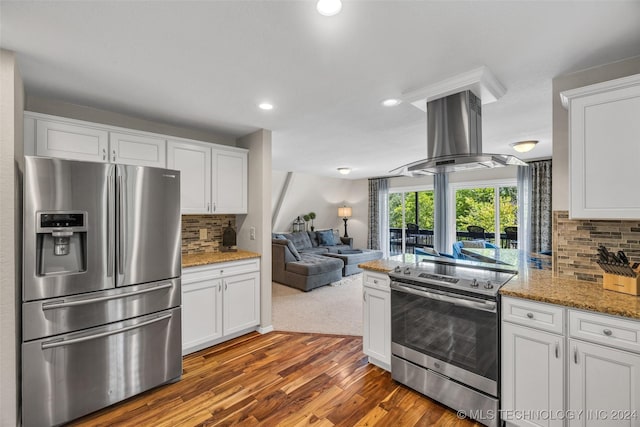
[540, 285]
[193, 260]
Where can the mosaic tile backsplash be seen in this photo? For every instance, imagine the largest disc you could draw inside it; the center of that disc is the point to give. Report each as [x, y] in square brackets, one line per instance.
[214, 224]
[575, 244]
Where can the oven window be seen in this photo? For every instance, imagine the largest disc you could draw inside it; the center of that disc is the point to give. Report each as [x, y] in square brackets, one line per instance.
[461, 336]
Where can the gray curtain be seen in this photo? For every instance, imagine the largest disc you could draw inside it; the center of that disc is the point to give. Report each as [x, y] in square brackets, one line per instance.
[541, 214]
[524, 213]
[441, 239]
[378, 234]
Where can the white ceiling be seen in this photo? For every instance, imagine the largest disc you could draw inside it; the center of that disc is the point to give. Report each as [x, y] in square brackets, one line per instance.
[207, 64]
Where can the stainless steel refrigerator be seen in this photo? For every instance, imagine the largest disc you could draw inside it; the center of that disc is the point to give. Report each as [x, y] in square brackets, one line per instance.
[101, 286]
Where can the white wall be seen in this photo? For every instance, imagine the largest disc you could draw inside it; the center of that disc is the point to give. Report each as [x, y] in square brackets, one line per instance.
[11, 165]
[591, 76]
[323, 195]
[258, 216]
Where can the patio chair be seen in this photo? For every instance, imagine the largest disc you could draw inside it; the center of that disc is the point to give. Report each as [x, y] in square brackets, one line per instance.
[511, 237]
[476, 232]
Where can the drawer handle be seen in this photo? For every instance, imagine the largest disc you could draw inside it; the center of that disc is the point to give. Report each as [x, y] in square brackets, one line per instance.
[530, 315]
[375, 281]
[607, 332]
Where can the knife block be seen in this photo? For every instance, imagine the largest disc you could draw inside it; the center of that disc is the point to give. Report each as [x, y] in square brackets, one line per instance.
[624, 284]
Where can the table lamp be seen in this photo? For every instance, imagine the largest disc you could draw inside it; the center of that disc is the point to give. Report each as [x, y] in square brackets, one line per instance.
[345, 213]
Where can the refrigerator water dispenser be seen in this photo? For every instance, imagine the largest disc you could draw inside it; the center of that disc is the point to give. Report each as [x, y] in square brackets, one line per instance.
[61, 242]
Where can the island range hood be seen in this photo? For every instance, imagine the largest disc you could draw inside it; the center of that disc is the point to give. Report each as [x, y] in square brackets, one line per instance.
[454, 138]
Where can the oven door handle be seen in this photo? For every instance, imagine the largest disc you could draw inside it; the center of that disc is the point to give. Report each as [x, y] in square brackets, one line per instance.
[475, 304]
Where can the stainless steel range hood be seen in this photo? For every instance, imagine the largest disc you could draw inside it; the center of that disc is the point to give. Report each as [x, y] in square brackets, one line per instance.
[454, 138]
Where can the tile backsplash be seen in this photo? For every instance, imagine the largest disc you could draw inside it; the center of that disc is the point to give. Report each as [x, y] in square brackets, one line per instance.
[575, 244]
[214, 224]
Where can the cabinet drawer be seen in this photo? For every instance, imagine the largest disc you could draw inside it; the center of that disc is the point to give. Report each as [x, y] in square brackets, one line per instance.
[220, 269]
[537, 315]
[377, 280]
[600, 329]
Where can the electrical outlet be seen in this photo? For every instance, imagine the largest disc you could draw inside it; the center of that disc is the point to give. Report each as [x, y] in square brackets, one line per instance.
[252, 233]
[203, 234]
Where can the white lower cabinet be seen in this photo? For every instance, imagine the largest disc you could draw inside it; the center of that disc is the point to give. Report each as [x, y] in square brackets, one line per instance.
[219, 302]
[376, 337]
[532, 374]
[241, 302]
[201, 314]
[604, 385]
[588, 376]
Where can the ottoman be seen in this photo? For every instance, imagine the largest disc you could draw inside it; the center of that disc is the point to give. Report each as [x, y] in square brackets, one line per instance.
[353, 257]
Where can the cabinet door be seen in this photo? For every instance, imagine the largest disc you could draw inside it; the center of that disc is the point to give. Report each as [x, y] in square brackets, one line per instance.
[241, 302]
[532, 373]
[194, 163]
[201, 314]
[229, 181]
[604, 151]
[377, 325]
[138, 150]
[605, 384]
[71, 141]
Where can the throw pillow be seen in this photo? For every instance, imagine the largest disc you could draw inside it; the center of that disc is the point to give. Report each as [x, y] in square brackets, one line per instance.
[325, 238]
[279, 237]
[293, 250]
[473, 243]
[314, 238]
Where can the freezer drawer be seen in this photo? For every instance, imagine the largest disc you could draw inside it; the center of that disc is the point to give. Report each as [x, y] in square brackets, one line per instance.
[73, 313]
[68, 376]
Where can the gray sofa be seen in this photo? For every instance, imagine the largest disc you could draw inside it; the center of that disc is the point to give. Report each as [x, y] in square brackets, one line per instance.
[297, 259]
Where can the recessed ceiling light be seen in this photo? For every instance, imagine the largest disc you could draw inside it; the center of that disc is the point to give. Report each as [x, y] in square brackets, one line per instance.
[265, 106]
[523, 146]
[391, 102]
[344, 171]
[329, 7]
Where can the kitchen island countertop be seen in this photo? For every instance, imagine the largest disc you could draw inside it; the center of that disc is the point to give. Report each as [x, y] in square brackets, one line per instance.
[193, 260]
[540, 285]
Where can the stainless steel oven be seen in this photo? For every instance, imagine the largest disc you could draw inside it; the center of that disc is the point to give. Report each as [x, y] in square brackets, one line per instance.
[445, 332]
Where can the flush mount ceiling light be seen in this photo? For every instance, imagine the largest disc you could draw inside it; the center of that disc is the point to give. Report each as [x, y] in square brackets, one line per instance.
[329, 7]
[523, 146]
[344, 171]
[265, 106]
[391, 102]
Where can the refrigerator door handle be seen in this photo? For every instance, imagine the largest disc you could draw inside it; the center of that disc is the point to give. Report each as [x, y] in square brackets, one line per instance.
[62, 304]
[56, 343]
[110, 227]
[121, 230]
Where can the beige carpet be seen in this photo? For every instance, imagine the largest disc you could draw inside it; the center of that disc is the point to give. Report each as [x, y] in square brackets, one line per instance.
[332, 309]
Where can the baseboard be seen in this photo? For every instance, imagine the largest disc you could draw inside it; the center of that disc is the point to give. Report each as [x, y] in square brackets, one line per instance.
[265, 329]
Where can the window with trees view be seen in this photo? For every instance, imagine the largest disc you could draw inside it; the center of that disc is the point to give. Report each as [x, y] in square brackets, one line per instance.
[490, 207]
[410, 207]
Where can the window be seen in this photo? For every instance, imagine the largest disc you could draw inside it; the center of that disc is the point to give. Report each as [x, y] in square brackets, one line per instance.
[406, 209]
[492, 206]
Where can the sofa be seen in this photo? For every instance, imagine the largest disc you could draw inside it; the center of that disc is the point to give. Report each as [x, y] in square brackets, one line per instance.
[297, 259]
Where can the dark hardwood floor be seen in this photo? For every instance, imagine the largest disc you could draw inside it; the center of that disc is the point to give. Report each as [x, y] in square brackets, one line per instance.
[280, 378]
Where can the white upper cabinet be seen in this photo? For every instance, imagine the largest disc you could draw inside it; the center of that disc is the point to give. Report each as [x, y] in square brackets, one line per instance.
[214, 180]
[604, 149]
[71, 141]
[92, 142]
[194, 163]
[229, 182]
[140, 150]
